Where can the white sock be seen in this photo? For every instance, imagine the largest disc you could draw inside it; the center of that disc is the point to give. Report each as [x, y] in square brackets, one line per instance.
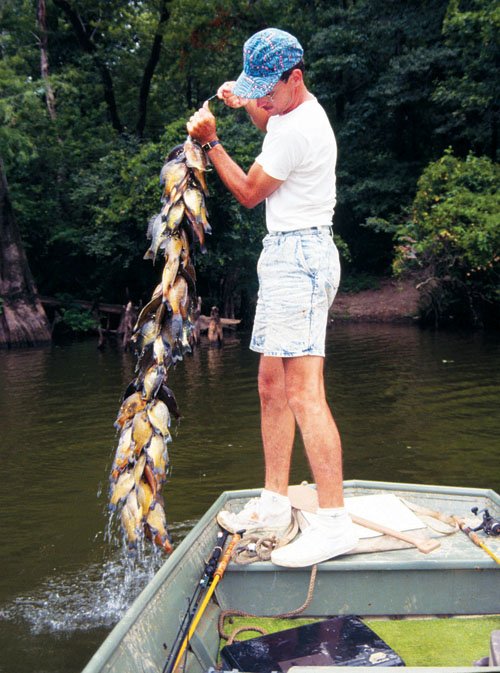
[332, 511]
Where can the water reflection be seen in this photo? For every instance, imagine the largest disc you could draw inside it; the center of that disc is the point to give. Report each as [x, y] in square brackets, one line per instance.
[411, 406]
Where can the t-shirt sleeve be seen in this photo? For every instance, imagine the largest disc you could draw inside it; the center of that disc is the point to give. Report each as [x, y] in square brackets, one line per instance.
[281, 153]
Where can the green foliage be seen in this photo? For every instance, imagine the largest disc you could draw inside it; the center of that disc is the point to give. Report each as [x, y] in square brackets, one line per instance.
[373, 66]
[467, 94]
[357, 282]
[78, 320]
[72, 319]
[400, 82]
[453, 234]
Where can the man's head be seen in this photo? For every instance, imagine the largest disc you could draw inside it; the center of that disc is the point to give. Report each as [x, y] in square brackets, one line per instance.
[266, 56]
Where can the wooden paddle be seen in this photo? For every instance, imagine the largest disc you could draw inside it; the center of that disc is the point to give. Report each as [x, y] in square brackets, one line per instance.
[306, 498]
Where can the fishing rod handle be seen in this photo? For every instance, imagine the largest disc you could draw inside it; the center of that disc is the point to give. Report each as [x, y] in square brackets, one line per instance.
[221, 568]
[211, 565]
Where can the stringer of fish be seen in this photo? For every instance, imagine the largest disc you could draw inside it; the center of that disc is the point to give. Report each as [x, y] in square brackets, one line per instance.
[161, 337]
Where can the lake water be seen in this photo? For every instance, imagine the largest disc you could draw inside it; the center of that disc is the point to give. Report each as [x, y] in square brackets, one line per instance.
[411, 406]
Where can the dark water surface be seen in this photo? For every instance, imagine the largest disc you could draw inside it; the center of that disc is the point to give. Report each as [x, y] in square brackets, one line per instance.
[412, 406]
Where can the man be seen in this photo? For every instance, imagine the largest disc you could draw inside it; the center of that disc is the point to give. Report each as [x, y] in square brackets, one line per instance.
[299, 274]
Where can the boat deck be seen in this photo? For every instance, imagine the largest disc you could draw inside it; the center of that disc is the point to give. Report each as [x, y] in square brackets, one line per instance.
[404, 581]
[458, 578]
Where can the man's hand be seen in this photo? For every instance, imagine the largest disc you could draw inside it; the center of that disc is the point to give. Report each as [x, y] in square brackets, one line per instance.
[201, 125]
[225, 93]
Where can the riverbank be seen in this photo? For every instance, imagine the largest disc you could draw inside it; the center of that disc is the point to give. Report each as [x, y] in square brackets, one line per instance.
[393, 301]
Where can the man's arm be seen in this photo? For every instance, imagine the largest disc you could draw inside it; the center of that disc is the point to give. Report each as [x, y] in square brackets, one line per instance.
[249, 189]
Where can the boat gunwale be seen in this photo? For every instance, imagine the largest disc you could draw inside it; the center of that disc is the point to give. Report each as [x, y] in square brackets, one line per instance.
[115, 637]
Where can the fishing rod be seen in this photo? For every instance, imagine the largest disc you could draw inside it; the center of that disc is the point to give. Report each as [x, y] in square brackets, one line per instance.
[475, 539]
[194, 601]
[217, 576]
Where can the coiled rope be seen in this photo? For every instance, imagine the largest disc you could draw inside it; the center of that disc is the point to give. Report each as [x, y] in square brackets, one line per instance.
[285, 615]
[253, 547]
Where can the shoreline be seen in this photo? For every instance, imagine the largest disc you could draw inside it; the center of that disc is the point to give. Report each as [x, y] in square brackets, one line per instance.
[395, 301]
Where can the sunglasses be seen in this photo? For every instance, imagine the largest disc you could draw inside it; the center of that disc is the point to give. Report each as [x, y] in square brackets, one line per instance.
[270, 96]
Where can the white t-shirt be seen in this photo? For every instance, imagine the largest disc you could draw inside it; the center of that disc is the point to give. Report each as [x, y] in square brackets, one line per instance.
[300, 148]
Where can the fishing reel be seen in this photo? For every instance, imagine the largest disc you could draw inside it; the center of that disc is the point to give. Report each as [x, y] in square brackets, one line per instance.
[490, 525]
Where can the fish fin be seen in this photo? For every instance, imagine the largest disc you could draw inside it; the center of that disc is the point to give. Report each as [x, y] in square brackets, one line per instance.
[177, 353]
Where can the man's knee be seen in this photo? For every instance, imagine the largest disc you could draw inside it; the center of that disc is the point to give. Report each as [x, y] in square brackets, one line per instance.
[271, 390]
[305, 400]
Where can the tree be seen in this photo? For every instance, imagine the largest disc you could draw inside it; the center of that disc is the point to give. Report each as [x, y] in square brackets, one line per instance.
[453, 236]
[467, 95]
[373, 66]
[22, 319]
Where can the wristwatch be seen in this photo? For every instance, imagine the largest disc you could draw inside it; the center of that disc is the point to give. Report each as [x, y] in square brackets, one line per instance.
[208, 146]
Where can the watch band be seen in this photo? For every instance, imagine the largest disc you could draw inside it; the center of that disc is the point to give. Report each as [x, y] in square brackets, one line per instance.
[208, 146]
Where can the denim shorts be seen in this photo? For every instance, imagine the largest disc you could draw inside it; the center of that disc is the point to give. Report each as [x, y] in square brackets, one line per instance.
[299, 274]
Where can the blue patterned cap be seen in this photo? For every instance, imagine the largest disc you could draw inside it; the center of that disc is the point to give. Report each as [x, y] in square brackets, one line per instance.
[266, 56]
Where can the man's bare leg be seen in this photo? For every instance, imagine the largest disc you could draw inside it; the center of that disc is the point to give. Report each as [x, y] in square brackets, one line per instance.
[277, 424]
[330, 531]
[305, 392]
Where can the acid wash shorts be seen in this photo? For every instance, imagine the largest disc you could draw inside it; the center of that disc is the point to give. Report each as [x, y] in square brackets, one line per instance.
[299, 274]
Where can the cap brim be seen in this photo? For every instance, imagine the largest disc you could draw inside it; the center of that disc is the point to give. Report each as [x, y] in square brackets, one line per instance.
[255, 87]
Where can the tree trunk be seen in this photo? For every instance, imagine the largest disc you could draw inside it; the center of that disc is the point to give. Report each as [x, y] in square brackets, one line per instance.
[22, 319]
[85, 41]
[228, 289]
[44, 58]
[154, 57]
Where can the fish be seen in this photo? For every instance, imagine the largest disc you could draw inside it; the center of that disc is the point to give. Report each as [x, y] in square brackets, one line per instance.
[142, 432]
[156, 232]
[199, 177]
[178, 297]
[145, 335]
[121, 488]
[173, 173]
[195, 156]
[166, 395]
[195, 204]
[151, 480]
[124, 454]
[129, 408]
[172, 331]
[157, 524]
[174, 176]
[138, 469]
[173, 250]
[157, 456]
[198, 230]
[161, 335]
[186, 250]
[176, 154]
[145, 496]
[159, 417]
[148, 309]
[171, 217]
[161, 350]
[188, 272]
[131, 519]
[187, 331]
[153, 379]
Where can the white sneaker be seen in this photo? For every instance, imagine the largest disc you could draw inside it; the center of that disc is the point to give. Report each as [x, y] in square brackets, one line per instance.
[269, 515]
[323, 539]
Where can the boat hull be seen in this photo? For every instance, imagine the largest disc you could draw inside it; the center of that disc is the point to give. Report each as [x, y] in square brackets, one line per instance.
[458, 578]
